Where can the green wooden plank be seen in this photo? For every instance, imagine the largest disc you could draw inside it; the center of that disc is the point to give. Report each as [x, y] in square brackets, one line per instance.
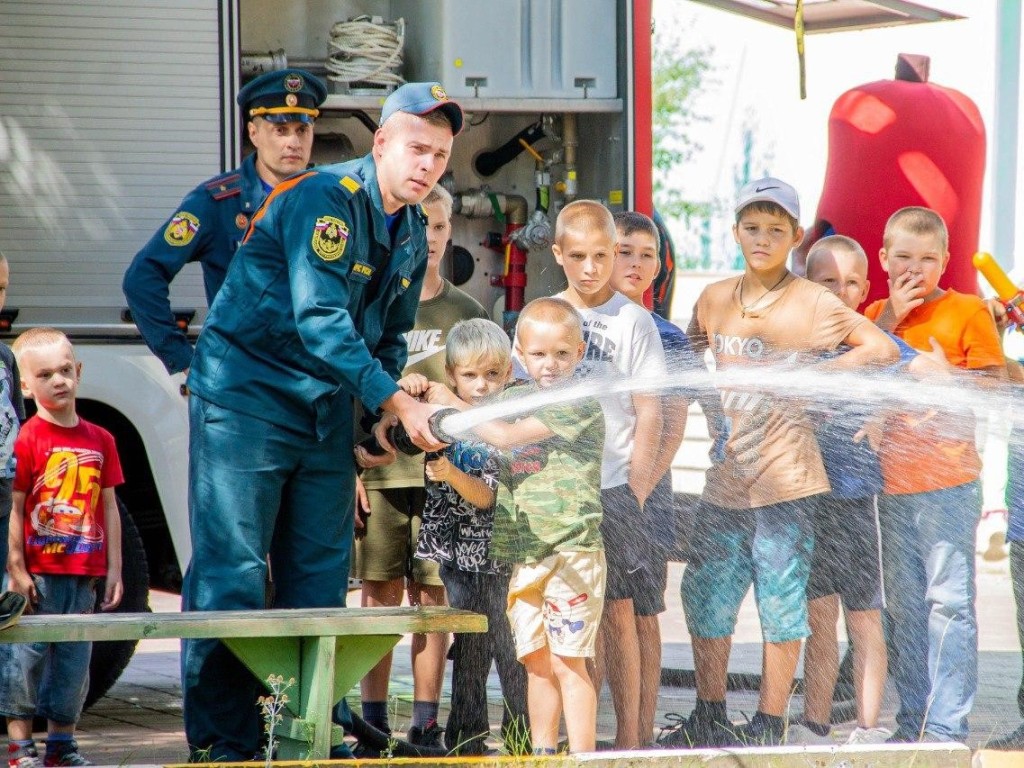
[295, 622]
[360, 654]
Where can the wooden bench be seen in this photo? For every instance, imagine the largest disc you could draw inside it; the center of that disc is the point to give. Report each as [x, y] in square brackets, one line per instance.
[326, 650]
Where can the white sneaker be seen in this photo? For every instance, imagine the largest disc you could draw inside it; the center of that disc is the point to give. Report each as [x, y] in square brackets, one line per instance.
[869, 735]
[798, 733]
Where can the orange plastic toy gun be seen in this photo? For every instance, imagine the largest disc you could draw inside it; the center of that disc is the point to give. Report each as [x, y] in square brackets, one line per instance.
[1009, 294]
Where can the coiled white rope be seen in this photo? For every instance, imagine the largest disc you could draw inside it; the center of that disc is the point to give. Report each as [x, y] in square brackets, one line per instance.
[367, 51]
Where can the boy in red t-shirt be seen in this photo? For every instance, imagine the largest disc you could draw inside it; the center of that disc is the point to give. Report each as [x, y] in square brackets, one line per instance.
[65, 536]
[931, 504]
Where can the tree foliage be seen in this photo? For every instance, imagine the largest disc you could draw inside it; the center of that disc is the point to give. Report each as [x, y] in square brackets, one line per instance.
[678, 74]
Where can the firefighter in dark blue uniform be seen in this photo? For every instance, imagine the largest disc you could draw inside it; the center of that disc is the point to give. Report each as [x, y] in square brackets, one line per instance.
[312, 316]
[280, 108]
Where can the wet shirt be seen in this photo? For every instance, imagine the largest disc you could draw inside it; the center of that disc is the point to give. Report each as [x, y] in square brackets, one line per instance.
[207, 227]
[454, 532]
[770, 454]
[426, 349]
[622, 341]
[62, 471]
[853, 467]
[549, 493]
[316, 304]
[930, 449]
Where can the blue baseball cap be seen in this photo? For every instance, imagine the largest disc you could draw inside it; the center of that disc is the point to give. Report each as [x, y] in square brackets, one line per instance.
[283, 96]
[421, 98]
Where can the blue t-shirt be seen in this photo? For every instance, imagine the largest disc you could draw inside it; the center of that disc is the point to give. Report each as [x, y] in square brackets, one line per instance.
[853, 469]
[1015, 477]
[661, 504]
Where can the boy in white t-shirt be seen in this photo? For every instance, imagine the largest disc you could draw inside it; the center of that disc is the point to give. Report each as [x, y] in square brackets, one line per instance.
[622, 340]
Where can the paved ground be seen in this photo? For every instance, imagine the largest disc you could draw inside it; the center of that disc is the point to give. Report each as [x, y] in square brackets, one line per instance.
[140, 720]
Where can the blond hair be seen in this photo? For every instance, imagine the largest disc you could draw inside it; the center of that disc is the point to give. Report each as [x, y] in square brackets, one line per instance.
[916, 220]
[551, 310]
[35, 338]
[442, 197]
[836, 242]
[582, 215]
[477, 339]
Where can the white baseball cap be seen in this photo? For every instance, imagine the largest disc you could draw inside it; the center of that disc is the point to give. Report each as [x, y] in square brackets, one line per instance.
[769, 190]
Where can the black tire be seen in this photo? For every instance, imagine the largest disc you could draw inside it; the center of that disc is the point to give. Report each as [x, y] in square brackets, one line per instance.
[109, 658]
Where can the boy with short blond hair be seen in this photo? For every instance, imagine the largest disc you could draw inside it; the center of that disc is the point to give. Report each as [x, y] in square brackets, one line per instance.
[622, 340]
[385, 550]
[754, 524]
[547, 523]
[65, 536]
[847, 558]
[932, 496]
[458, 520]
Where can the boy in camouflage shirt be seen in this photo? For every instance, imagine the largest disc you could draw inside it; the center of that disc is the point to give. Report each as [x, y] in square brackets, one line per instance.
[547, 523]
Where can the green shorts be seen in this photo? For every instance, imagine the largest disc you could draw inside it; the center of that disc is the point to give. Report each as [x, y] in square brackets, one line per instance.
[386, 551]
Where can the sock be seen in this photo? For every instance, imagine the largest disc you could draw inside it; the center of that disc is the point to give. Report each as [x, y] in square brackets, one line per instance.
[821, 729]
[58, 742]
[423, 712]
[774, 722]
[714, 711]
[375, 713]
[13, 745]
[545, 751]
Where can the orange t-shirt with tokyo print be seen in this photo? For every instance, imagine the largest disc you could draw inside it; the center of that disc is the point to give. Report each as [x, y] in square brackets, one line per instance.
[929, 449]
[771, 454]
[62, 471]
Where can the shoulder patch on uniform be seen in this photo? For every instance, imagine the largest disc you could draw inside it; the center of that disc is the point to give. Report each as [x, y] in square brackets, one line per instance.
[352, 185]
[228, 185]
[181, 229]
[330, 235]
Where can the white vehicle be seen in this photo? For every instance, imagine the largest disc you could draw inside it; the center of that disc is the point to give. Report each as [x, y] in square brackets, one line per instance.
[111, 110]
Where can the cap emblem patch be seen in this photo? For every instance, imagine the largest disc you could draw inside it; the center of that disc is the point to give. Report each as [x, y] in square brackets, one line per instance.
[438, 93]
[330, 235]
[293, 83]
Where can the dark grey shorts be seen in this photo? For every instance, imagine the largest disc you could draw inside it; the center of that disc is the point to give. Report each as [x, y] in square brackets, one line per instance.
[847, 557]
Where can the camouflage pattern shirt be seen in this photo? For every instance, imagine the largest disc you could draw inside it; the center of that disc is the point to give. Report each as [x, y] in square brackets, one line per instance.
[549, 493]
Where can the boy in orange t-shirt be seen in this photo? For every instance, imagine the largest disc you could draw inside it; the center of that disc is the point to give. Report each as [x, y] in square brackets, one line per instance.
[928, 518]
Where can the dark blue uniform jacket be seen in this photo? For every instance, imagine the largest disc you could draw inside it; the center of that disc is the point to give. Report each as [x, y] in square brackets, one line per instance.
[315, 304]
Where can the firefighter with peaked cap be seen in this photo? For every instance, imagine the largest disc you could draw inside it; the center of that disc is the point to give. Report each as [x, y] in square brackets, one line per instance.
[311, 317]
[279, 108]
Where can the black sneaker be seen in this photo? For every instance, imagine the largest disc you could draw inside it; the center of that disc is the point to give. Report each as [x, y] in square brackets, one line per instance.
[762, 731]
[700, 729]
[1012, 741]
[430, 735]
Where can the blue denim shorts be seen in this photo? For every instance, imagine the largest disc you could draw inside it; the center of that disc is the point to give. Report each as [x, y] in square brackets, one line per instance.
[49, 679]
[769, 547]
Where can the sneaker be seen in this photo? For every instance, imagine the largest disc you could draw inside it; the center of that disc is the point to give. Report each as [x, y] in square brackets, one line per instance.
[700, 729]
[869, 736]
[64, 753]
[1011, 741]
[430, 735]
[798, 733]
[23, 757]
[909, 737]
[762, 731]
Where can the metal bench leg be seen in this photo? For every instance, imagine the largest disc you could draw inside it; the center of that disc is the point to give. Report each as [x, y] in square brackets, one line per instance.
[324, 669]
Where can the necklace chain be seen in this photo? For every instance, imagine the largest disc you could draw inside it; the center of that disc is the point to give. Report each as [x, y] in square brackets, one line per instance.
[744, 308]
